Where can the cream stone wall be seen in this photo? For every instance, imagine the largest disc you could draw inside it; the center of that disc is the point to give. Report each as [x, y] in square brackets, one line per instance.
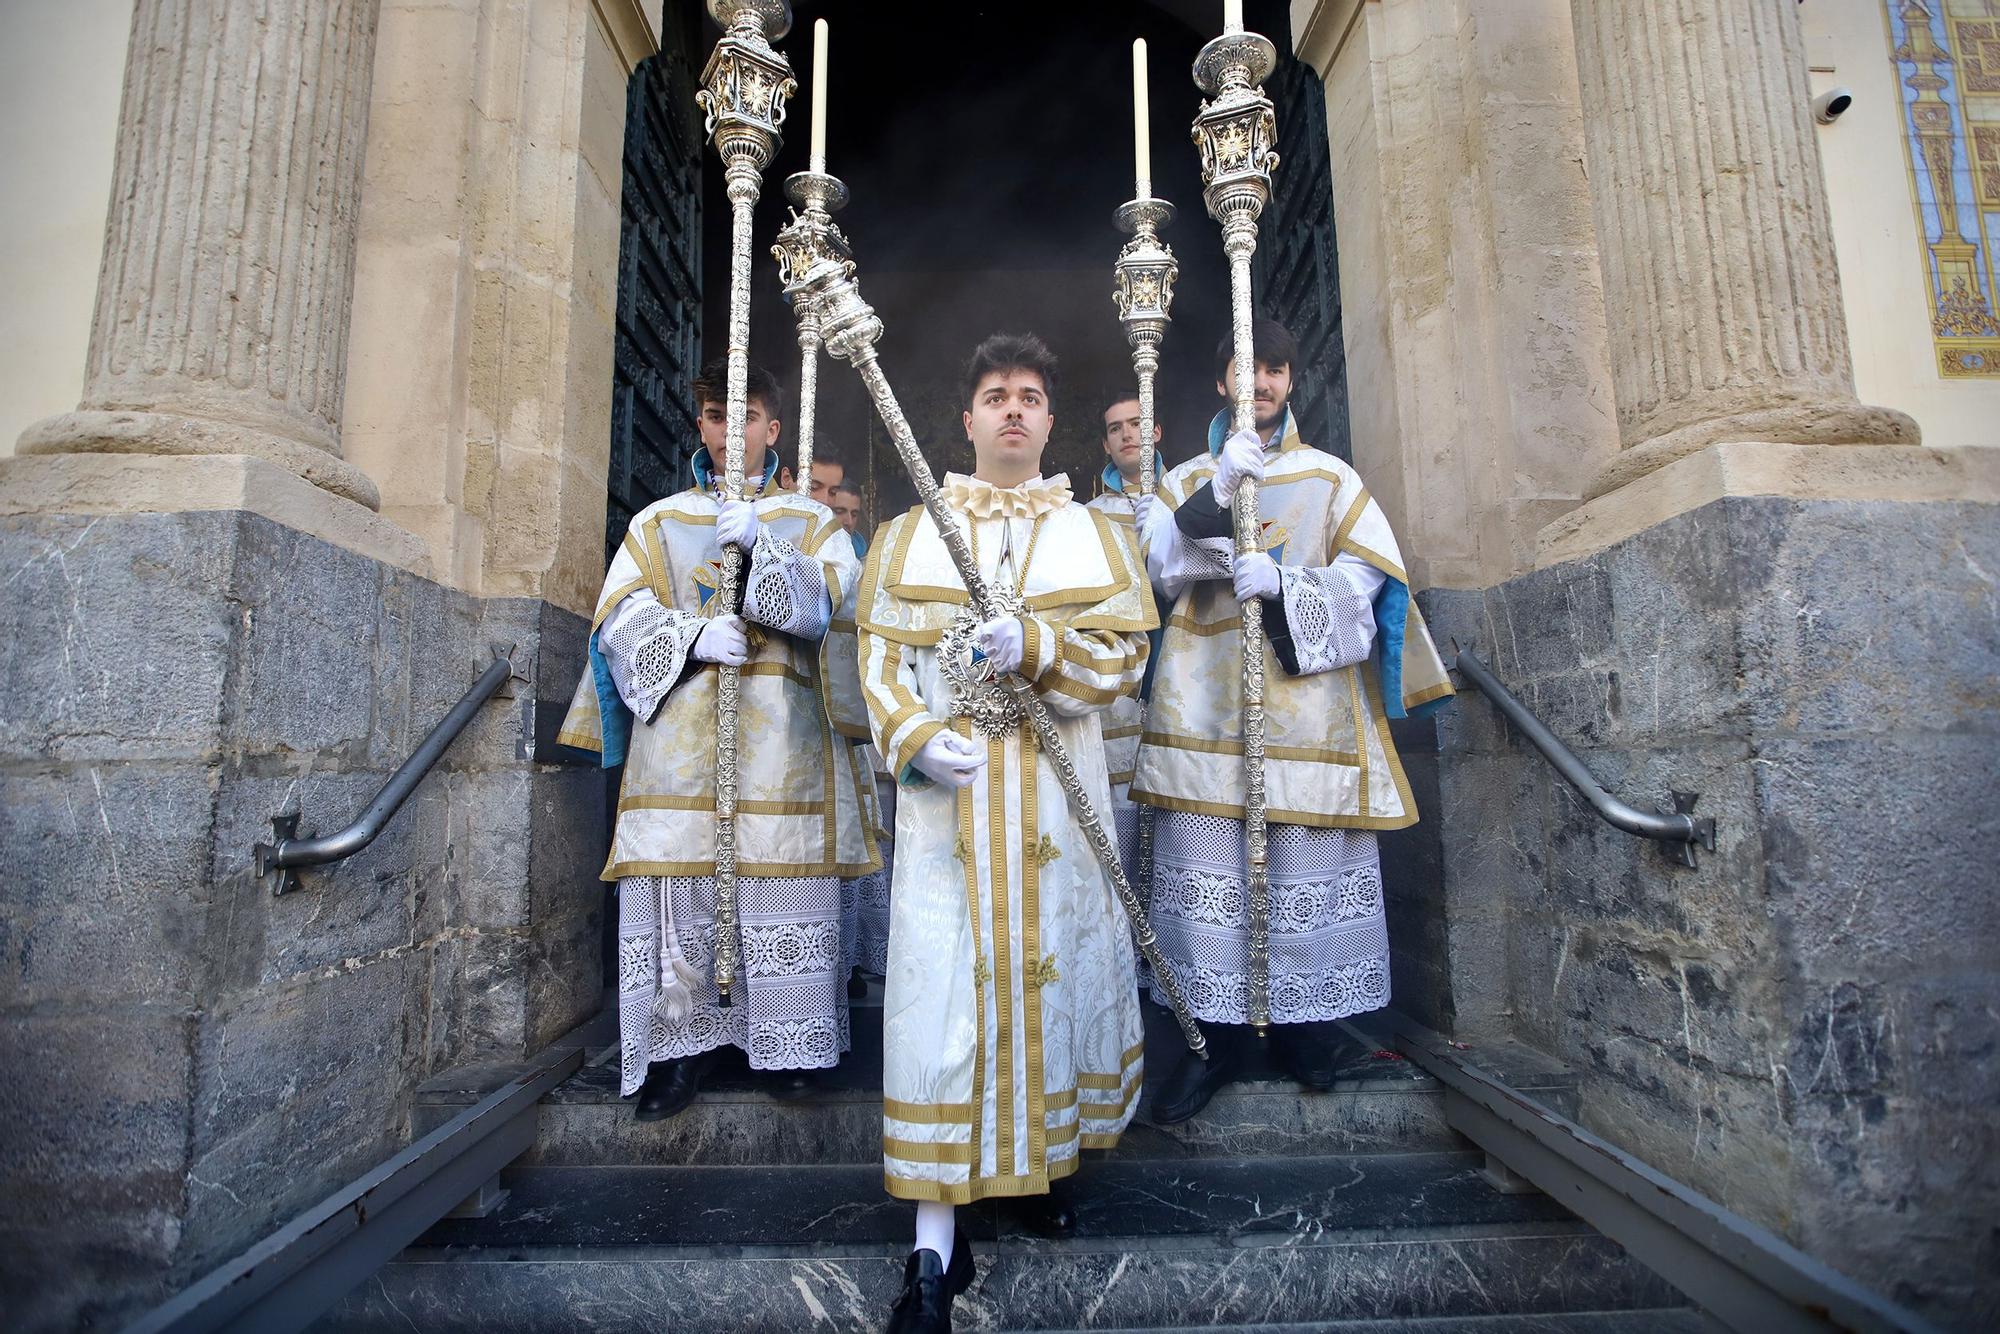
[1472, 310]
[62, 63]
[479, 377]
[1867, 171]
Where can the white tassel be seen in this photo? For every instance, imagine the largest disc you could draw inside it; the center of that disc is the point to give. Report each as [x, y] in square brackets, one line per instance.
[673, 995]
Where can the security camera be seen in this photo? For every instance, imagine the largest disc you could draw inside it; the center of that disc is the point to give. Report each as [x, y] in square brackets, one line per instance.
[1832, 104]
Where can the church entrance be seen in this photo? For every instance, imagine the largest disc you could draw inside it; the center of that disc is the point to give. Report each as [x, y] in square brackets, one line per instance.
[984, 177]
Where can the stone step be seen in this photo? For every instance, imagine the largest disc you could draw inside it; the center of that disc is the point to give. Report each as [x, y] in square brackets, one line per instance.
[1667, 1320]
[1316, 1282]
[1380, 1104]
[1200, 1242]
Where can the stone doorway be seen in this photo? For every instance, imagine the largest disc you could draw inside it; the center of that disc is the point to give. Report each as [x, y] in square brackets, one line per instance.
[984, 180]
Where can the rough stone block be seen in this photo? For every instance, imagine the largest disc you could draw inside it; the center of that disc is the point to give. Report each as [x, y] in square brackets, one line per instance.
[106, 883]
[1601, 873]
[1875, 617]
[303, 665]
[114, 635]
[92, 1164]
[353, 909]
[477, 1003]
[298, 1089]
[1882, 851]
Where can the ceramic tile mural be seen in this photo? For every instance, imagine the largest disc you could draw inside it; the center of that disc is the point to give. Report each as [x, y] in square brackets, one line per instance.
[1947, 57]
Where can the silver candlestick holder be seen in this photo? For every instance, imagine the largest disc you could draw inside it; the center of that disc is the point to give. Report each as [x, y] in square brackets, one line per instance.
[819, 272]
[815, 197]
[1143, 291]
[743, 92]
[1235, 131]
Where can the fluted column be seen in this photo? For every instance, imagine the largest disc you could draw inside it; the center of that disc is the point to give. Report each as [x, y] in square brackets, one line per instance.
[1721, 289]
[222, 300]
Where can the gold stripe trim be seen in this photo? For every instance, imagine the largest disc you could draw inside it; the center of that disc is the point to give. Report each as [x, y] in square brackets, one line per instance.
[1275, 815]
[927, 1113]
[917, 1151]
[1225, 746]
[744, 806]
[984, 1188]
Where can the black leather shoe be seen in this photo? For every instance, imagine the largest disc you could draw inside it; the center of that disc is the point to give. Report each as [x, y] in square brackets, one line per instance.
[1190, 1084]
[670, 1086]
[1052, 1215]
[928, 1288]
[791, 1085]
[1309, 1053]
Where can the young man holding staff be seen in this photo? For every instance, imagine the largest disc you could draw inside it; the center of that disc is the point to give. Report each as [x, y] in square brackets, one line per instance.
[649, 700]
[1011, 1031]
[1347, 652]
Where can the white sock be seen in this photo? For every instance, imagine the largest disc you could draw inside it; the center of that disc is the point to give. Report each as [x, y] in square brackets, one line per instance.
[937, 1224]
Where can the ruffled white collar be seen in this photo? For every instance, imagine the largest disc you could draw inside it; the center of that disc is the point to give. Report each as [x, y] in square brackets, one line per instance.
[983, 500]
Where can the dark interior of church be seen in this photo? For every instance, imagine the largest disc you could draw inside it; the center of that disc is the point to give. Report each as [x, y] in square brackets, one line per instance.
[986, 148]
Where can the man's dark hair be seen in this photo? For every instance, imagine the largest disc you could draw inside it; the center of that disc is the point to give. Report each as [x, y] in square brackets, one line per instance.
[711, 385]
[832, 460]
[849, 487]
[1112, 400]
[1009, 352]
[1274, 343]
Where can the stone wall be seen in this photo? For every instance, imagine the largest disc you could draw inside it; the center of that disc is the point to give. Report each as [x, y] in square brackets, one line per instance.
[1804, 1027]
[190, 1059]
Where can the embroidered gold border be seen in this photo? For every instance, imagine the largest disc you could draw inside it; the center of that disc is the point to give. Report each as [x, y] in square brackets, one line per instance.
[1031, 949]
[928, 1113]
[986, 1188]
[923, 1151]
[1003, 975]
[973, 916]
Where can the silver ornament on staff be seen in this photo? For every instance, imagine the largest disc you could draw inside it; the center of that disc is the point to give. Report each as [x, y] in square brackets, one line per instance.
[1235, 131]
[743, 92]
[818, 267]
[816, 197]
[1143, 291]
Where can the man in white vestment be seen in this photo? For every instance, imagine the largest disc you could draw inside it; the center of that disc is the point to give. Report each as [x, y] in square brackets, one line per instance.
[1011, 1029]
[1118, 498]
[659, 635]
[1348, 651]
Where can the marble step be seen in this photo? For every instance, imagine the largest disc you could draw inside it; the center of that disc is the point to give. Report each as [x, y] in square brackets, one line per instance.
[1666, 1320]
[1310, 1280]
[1159, 1245]
[1380, 1104]
[845, 1204]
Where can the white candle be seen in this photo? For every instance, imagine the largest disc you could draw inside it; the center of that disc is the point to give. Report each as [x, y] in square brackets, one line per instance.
[818, 162]
[1232, 16]
[1142, 144]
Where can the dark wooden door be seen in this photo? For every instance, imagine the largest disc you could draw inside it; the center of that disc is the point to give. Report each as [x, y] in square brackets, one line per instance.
[1297, 269]
[658, 340]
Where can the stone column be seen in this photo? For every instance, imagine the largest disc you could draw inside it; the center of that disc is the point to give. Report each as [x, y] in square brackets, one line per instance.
[222, 303]
[1721, 289]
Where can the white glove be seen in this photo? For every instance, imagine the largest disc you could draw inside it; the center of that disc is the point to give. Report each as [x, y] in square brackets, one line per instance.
[950, 759]
[1001, 641]
[723, 640]
[738, 525]
[1242, 456]
[1256, 576]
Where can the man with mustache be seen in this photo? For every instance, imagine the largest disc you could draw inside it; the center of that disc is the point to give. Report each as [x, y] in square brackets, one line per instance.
[1347, 652]
[1010, 1026]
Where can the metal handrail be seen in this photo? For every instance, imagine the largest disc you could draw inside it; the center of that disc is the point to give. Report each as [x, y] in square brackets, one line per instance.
[1678, 827]
[277, 859]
